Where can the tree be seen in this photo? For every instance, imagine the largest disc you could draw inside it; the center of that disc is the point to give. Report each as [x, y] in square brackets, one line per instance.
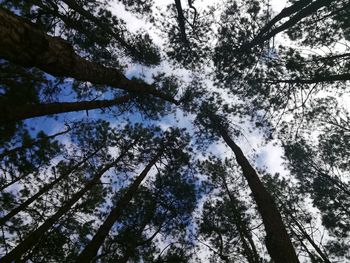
[204, 79]
[227, 212]
[277, 240]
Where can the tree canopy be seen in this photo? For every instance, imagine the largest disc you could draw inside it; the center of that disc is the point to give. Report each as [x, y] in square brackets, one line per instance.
[174, 131]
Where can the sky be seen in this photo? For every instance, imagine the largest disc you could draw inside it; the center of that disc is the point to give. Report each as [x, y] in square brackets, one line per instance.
[269, 155]
[263, 155]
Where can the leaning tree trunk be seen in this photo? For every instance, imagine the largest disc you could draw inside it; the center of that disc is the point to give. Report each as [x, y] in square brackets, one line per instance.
[277, 240]
[307, 236]
[91, 249]
[17, 113]
[307, 11]
[8, 152]
[23, 43]
[250, 249]
[43, 190]
[285, 12]
[34, 237]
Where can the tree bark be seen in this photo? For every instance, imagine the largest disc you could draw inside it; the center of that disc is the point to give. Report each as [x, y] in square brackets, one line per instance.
[34, 237]
[23, 43]
[43, 190]
[91, 249]
[16, 113]
[277, 241]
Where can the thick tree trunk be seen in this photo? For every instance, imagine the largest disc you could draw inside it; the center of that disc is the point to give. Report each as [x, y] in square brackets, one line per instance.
[17, 113]
[34, 237]
[90, 251]
[43, 190]
[23, 43]
[277, 240]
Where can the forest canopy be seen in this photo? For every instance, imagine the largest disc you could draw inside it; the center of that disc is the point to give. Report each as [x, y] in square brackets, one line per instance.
[174, 131]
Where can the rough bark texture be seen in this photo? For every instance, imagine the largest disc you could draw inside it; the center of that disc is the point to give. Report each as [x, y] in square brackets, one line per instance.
[90, 251]
[17, 113]
[277, 240]
[23, 43]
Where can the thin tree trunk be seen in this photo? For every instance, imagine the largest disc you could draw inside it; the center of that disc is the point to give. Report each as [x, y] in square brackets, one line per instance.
[17, 113]
[43, 190]
[251, 252]
[314, 80]
[30, 144]
[313, 7]
[288, 11]
[307, 236]
[23, 43]
[313, 258]
[105, 27]
[15, 181]
[34, 237]
[91, 249]
[277, 240]
[181, 21]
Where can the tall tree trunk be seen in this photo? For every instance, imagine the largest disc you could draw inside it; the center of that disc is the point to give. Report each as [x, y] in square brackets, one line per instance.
[181, 21]
[308, 10]
[23, 43]
[43, 190]
[312, 80]
[33, 238]
[17, 113]
[18, 178]
[308, 238]
[250, 250]
[8, 152]
[313, 257]
[91, 249]
[285, 12]
[277, 240]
